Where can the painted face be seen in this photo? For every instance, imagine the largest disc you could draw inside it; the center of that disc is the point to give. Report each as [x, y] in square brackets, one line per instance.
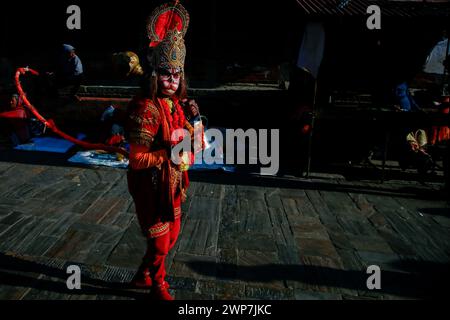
[169, 80]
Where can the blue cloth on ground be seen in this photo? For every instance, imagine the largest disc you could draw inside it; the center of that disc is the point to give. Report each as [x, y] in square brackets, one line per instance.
[98, 158]
[49, 144]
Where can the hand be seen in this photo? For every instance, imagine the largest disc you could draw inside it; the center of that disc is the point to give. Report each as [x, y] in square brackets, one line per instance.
[191, 107]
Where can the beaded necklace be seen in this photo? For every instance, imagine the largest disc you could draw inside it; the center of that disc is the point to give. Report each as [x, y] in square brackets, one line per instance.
[175, 120]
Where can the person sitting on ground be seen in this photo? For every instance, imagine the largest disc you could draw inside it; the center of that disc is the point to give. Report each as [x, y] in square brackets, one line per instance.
[69, 72]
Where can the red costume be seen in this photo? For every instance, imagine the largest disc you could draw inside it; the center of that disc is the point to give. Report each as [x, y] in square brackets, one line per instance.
[156, 184]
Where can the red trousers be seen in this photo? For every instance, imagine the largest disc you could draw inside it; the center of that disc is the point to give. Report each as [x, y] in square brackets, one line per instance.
[157, 250]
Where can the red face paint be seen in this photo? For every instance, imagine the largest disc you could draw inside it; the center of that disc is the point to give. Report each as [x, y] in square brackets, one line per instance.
[169, 80]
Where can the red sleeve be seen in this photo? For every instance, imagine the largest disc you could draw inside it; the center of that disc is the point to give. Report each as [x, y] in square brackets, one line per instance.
[142, 158]
[143, 124]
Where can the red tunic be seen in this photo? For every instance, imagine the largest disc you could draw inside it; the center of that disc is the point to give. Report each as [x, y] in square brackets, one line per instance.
[154, 182]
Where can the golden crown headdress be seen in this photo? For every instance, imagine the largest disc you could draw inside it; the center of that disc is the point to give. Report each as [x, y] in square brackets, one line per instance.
[166, 28]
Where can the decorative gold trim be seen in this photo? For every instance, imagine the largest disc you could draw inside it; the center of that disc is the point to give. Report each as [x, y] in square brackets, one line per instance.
[177, 212]
[178, 9]
[158, 230]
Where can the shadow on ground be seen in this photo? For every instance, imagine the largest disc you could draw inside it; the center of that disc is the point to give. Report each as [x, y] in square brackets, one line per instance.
[414, 280]
[218, 177]
[17, 272]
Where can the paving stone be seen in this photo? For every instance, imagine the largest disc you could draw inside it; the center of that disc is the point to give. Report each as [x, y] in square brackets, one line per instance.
[224, 289]
[194, 266]
[179, 283]
[305, 295]
[40, 245]
[313, 247]
[357, 297]
[203, 208]
[229, 221]
[443, 221]
[129, 251]
[253, 216]
[50, 209]
[4, 227]
[410, 232]
[227, 263]
[386, 262]
[255, 241]
[181, 294]
[318, 203]
[199, 237]
[417, 207]
[131, 208]
[378, 220]
[12, 292]
[339, 203]
[290, 207]
[46, 176]
[74, 245]
[261, 267]
[83, 297]
[264, 293]
[48, 288]
[12, 218]
[366, 208]
[9, 204]
[100, 210]
[21, 191]
[374, 244]
[306, 207]
[281, 230]
[350, 260]
[80, 207]
[70, 193]
[356, 226]
[33, 233]
[386, 204]
[294, 194]
[115, 212]
[59, 227]
[5, 166]
[340, 240]
[273, 200]
[99, 253]
[396, 242]
[111, 235]
[435, 234]
[16, 233]
[310, 231]
[210, 190]
[114, 274]
[326, 274]
[288, 255]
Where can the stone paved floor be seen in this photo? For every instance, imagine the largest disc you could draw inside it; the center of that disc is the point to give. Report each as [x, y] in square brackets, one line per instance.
[242, 238]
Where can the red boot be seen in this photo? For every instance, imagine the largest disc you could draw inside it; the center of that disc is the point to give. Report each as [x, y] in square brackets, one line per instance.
[142, 279]
[161, 292]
